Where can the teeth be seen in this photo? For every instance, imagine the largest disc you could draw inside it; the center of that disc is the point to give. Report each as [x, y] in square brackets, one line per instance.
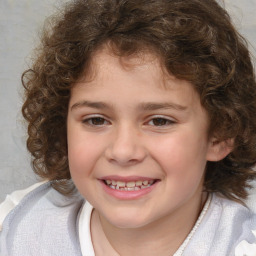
[138, 183]
[120, 183]
[129, 186]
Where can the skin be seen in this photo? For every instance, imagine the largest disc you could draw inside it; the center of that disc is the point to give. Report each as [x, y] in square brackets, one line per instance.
[148, 125]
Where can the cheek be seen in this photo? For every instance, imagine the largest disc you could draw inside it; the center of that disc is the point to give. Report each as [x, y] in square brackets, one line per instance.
[82, 152]
[181, 154]
[183, 165]
[82, 159]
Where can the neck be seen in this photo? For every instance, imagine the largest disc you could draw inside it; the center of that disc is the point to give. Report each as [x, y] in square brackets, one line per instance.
[161, 237]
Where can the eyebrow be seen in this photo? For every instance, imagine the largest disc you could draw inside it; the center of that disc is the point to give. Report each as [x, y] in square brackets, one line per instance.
[90, 104]
[155, 106]
[149, 106]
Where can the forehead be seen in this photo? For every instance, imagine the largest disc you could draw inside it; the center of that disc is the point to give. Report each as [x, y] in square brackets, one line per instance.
[140, 74]
[106, 64]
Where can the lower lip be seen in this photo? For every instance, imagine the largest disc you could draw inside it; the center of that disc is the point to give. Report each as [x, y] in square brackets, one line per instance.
[128, 195]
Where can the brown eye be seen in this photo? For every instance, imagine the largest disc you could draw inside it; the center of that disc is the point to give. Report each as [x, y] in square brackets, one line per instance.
[160, 121]
[95, 121]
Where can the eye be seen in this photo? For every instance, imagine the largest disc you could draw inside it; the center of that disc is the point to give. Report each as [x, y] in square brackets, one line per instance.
[160, 121]
[96, 121]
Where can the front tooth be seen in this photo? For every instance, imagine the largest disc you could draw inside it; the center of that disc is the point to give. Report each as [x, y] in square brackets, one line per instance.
[130, 184]
[114, 182]
[145, 183]
[131, 189]
[120, 184]
[138, 183]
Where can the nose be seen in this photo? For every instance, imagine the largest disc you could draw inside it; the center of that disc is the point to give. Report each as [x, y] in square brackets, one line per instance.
[126, 147]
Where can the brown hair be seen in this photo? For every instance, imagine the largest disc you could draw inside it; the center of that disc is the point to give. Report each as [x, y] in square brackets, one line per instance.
[196, 41]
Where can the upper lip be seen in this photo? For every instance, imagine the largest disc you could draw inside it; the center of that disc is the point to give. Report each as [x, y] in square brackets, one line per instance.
[127, 178]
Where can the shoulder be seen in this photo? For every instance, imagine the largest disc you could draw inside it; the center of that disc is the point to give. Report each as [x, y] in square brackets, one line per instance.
[40, 196]
[41, 216]
[12, 200]
[248, 246]
[251, 200]
[240, 218]
[224, 227]
[237, 223]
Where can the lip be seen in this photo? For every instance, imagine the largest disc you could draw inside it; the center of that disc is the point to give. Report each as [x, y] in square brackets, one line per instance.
[127, 195]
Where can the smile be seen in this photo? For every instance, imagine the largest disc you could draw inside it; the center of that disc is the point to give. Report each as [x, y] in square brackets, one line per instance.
[130, 185]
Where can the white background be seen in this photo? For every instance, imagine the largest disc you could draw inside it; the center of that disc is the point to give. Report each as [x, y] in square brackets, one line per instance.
[20, 22]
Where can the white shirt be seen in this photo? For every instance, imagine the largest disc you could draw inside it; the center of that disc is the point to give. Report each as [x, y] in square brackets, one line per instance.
[243, 249]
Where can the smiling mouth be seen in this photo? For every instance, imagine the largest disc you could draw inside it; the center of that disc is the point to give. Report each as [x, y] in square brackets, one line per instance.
[130, 185]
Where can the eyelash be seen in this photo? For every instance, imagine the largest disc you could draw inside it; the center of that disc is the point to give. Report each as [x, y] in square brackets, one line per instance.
[98, 121]
[90, 121]
[163, 121]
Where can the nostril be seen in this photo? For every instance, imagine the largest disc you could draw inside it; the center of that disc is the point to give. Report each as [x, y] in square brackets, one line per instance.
[124, 162]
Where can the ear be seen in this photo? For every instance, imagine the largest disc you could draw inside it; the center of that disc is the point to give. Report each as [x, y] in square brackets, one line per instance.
[218, 150]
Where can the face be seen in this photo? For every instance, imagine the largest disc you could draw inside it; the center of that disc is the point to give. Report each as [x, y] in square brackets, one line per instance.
[137, 141]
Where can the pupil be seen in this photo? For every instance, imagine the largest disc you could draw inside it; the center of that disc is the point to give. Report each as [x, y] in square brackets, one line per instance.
[159, 121]
[97, 121]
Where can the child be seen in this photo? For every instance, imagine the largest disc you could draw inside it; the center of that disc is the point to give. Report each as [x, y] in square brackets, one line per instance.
[141, 117]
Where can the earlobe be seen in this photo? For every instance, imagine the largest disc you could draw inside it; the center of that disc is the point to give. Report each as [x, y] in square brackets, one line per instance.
[218, 150]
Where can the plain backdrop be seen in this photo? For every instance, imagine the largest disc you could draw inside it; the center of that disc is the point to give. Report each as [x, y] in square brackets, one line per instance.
[20, 23]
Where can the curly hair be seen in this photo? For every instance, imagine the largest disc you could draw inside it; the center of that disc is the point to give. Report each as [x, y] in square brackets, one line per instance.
[194, 39]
